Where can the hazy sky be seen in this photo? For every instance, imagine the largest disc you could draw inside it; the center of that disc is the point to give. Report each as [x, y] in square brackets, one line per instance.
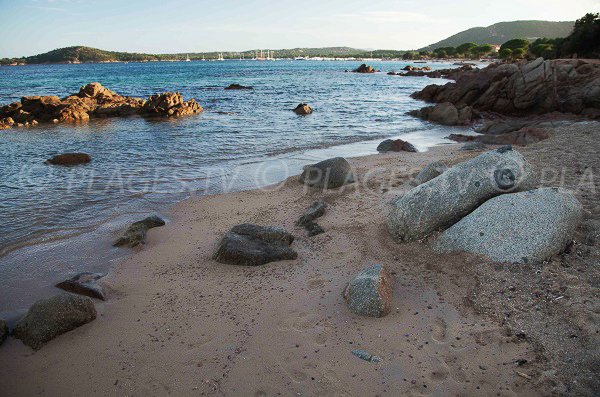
[29, 27]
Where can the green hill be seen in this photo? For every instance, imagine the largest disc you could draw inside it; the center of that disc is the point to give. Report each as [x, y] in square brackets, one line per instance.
[499, 33]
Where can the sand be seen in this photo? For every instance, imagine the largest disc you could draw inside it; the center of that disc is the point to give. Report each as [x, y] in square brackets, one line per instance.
[178, 323]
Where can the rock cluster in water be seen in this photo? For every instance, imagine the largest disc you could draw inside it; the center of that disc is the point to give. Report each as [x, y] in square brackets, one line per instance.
[92, 101]
[364, 68]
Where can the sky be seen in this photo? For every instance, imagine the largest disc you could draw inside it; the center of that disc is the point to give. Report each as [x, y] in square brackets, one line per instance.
[29, 27]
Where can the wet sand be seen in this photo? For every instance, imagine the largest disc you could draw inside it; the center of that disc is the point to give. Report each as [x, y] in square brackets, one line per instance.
[179, 323]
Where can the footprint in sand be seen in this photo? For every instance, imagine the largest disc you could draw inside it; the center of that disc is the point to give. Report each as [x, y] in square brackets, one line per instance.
[440, 330]
[315, 284]
[440, 373]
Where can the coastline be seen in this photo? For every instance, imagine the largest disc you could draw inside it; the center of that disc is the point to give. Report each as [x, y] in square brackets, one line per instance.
[178, 322]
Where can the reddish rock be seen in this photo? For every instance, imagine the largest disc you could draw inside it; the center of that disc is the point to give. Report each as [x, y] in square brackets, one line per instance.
[364, 69]
[170, 104]
[303, 109]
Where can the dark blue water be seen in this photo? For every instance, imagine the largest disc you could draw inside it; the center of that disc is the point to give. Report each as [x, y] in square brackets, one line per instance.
[141, 165]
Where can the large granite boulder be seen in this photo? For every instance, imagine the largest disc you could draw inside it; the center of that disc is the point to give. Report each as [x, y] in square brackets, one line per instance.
[396, 145]
[84, 284]
[445, 113]
[70, 159]
[370, 292]
[136, 233]
[328, 174]
[523, 227]
[254, 245]
[49, 318]
[444, 200]
[431, 170]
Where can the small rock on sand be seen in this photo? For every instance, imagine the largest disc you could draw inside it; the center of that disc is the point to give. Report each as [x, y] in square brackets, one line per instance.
[365, 355]
[444, 200]
[522, 227]
[370, 292]
[3, 331]
[328, 174]
[254, 245]
[70, 159]
[316, 210]
[49, 318]
[136, 233]
[84, 284]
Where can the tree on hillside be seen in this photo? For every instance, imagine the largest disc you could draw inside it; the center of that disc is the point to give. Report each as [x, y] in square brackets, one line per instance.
[481, 50]
[585, 39]
[514, 44]
[465, 48]
[505, 53]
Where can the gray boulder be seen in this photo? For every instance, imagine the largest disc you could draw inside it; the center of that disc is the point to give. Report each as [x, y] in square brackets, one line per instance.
[3, 331]
[522, 227]
[431, 170]
[370, 292]
[328, 174]
[49, 318]
[136, 233]
[444, 200]
[396, 145]
[84, 284]
[254, 245]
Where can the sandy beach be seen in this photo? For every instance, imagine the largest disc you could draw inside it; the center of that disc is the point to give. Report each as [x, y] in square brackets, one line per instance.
[178, 323]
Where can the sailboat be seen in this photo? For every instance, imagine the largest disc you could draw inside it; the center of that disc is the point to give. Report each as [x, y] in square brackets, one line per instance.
[221, 57]
[187, 58]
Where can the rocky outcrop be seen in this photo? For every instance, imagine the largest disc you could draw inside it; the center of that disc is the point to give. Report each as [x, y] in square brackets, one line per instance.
[370, 292]
[254, 245]
[522, 137]
[238, 87]
[303, 109]
[396, 145]
[412, 68]
[525, 88]
[136, 233]
[431, 170]
[92, 101]
[364, 69]
[170, 104]
[70, 159]
[444, 200]
[84, 284]
[445, 113]
[49, 318]
[328, 174]
[526, 227]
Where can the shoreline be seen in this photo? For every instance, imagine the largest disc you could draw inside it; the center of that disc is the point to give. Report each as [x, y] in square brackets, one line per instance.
[276, 168]
[283, 327]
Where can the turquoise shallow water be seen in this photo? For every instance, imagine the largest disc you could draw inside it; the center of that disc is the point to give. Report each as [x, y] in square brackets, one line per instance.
[140, 165]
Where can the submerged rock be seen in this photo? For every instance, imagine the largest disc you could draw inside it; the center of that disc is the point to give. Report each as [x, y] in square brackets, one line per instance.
[136, 233]
[303, 109]
[70, 159]
[430, 171]
[370, 292]
[396, 145]
[328, 174]
[444, 200]
[522, 227]
[364, 69]
[49, 318]
[84, 284]
[254, 245]
[238, 87]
